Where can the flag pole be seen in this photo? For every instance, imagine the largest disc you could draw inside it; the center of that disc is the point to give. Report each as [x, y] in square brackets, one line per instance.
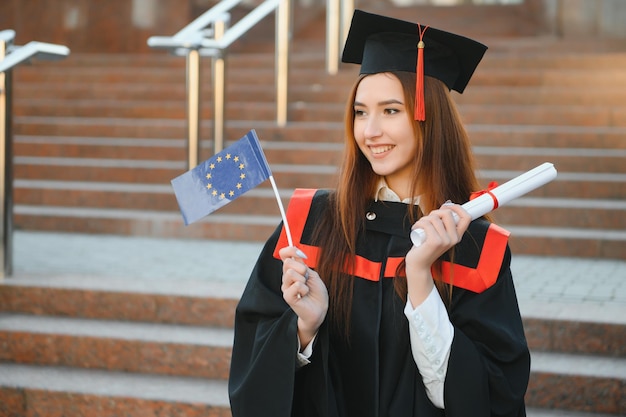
[282, 211]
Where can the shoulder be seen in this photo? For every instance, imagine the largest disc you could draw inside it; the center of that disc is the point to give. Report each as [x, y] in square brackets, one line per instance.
[305, 201]
[305, 207]
[310, 194]
[480, 257]
[481, 235]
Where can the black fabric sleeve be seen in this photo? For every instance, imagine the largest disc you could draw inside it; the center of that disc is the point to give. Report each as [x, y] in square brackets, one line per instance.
[263, 363]
[489, 363]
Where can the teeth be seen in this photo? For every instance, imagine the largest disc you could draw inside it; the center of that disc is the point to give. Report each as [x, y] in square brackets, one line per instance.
[381, 149]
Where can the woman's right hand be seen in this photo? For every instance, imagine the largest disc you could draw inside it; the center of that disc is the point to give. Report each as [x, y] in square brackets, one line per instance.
[305, 292]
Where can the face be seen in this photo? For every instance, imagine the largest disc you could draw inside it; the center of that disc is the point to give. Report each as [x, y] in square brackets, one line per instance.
[383, 130]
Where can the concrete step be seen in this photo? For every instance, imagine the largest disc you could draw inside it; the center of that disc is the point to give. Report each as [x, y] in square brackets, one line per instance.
[192, 302]
[108, 195]
[70, 392]
[529, 211]
[564, 212]
[560, 136]
[305, 161]
[155, 172]
[199, 311]
[578, 383]
[162, 349]
[597, 338]
[95, 130]
[486, 75]
[563, 381]
[124, 128]
[531, 52]
[33, 92]
[279, 152]
[547, 241]
[101, 152]
[74, 392]
[546, 412]
[575, 191]
[573, 115]
[555, 241]
[88, 354]
[601, 186]
[46, 348]
[79, 337]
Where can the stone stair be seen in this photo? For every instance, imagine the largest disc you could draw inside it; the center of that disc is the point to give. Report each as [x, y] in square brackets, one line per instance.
[79, 349]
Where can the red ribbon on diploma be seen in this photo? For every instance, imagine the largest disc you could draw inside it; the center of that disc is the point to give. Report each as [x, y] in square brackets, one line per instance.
[490, 187]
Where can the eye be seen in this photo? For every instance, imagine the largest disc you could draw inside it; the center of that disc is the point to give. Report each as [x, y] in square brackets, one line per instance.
[359, 112]
[391, 111]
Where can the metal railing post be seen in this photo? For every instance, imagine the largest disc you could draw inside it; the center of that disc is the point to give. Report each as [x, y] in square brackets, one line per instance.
[6, 170]
[219, 88]
[347, 10]
[194, 41]
[193, 107]
[283, 35]
[10, 56]
[332, 36]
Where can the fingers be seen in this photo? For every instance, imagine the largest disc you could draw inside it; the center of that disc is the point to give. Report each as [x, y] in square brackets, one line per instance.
[299, 268]
[295, 274]
[463, 218]
[293, 287]
[291, 252]
[295, 284]
[445, 226]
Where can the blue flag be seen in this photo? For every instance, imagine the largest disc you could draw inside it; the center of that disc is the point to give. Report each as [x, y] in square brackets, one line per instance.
[221, 178]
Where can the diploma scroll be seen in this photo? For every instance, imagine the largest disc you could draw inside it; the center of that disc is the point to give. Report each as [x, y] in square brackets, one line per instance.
[501, 195]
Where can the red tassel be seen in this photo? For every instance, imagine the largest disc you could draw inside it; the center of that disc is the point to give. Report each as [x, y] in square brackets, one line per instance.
[420, 108]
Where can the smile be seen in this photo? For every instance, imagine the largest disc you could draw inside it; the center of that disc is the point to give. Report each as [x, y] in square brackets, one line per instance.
[381, 149]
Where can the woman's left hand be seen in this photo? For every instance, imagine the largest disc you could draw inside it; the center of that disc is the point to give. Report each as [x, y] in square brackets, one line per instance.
[305, 292]
[442, 233]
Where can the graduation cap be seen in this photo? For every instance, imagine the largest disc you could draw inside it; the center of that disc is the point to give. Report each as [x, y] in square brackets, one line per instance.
[382, 44]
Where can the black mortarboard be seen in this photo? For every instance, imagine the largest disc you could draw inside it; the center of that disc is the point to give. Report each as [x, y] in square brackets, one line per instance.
[382, 44]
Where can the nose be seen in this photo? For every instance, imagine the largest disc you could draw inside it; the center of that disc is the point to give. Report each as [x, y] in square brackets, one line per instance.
[372, 128]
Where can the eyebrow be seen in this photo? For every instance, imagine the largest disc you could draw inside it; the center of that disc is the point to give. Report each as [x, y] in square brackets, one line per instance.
[382, 103]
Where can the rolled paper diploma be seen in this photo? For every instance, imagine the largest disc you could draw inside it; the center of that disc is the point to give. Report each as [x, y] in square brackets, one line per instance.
[500, 195]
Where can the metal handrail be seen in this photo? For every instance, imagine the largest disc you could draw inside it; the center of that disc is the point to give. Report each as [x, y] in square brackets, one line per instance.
[338, 16]
[11, 56]
[192, 41]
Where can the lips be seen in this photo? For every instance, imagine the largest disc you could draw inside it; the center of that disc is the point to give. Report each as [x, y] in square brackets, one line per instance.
[377, 150]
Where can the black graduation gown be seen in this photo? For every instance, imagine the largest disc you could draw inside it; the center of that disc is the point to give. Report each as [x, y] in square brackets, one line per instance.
[375, 374]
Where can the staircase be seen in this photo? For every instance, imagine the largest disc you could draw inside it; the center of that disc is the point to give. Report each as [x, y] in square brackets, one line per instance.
[94, 347]
[98, 137]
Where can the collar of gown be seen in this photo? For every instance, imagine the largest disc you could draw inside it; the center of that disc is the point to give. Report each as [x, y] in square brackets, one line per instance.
[384, 193]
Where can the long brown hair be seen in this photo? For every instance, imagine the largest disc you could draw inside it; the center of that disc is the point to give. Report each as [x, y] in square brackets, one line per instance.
[443, 170]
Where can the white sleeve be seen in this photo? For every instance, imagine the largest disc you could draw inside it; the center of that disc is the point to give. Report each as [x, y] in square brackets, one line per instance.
[303, 358]
[431, 336]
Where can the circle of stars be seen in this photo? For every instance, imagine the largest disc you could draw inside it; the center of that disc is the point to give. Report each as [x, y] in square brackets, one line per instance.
[222, 194]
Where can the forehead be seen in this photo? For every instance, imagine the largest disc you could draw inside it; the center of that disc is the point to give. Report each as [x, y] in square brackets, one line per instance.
[379, 87]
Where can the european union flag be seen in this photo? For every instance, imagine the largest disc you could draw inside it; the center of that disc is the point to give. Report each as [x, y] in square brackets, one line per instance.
[221, 178]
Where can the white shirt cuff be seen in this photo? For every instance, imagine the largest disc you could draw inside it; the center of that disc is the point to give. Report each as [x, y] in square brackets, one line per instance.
[303, 358]
[431, 336]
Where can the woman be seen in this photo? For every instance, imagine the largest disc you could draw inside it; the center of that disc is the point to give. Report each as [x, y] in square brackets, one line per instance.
[354, 320]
